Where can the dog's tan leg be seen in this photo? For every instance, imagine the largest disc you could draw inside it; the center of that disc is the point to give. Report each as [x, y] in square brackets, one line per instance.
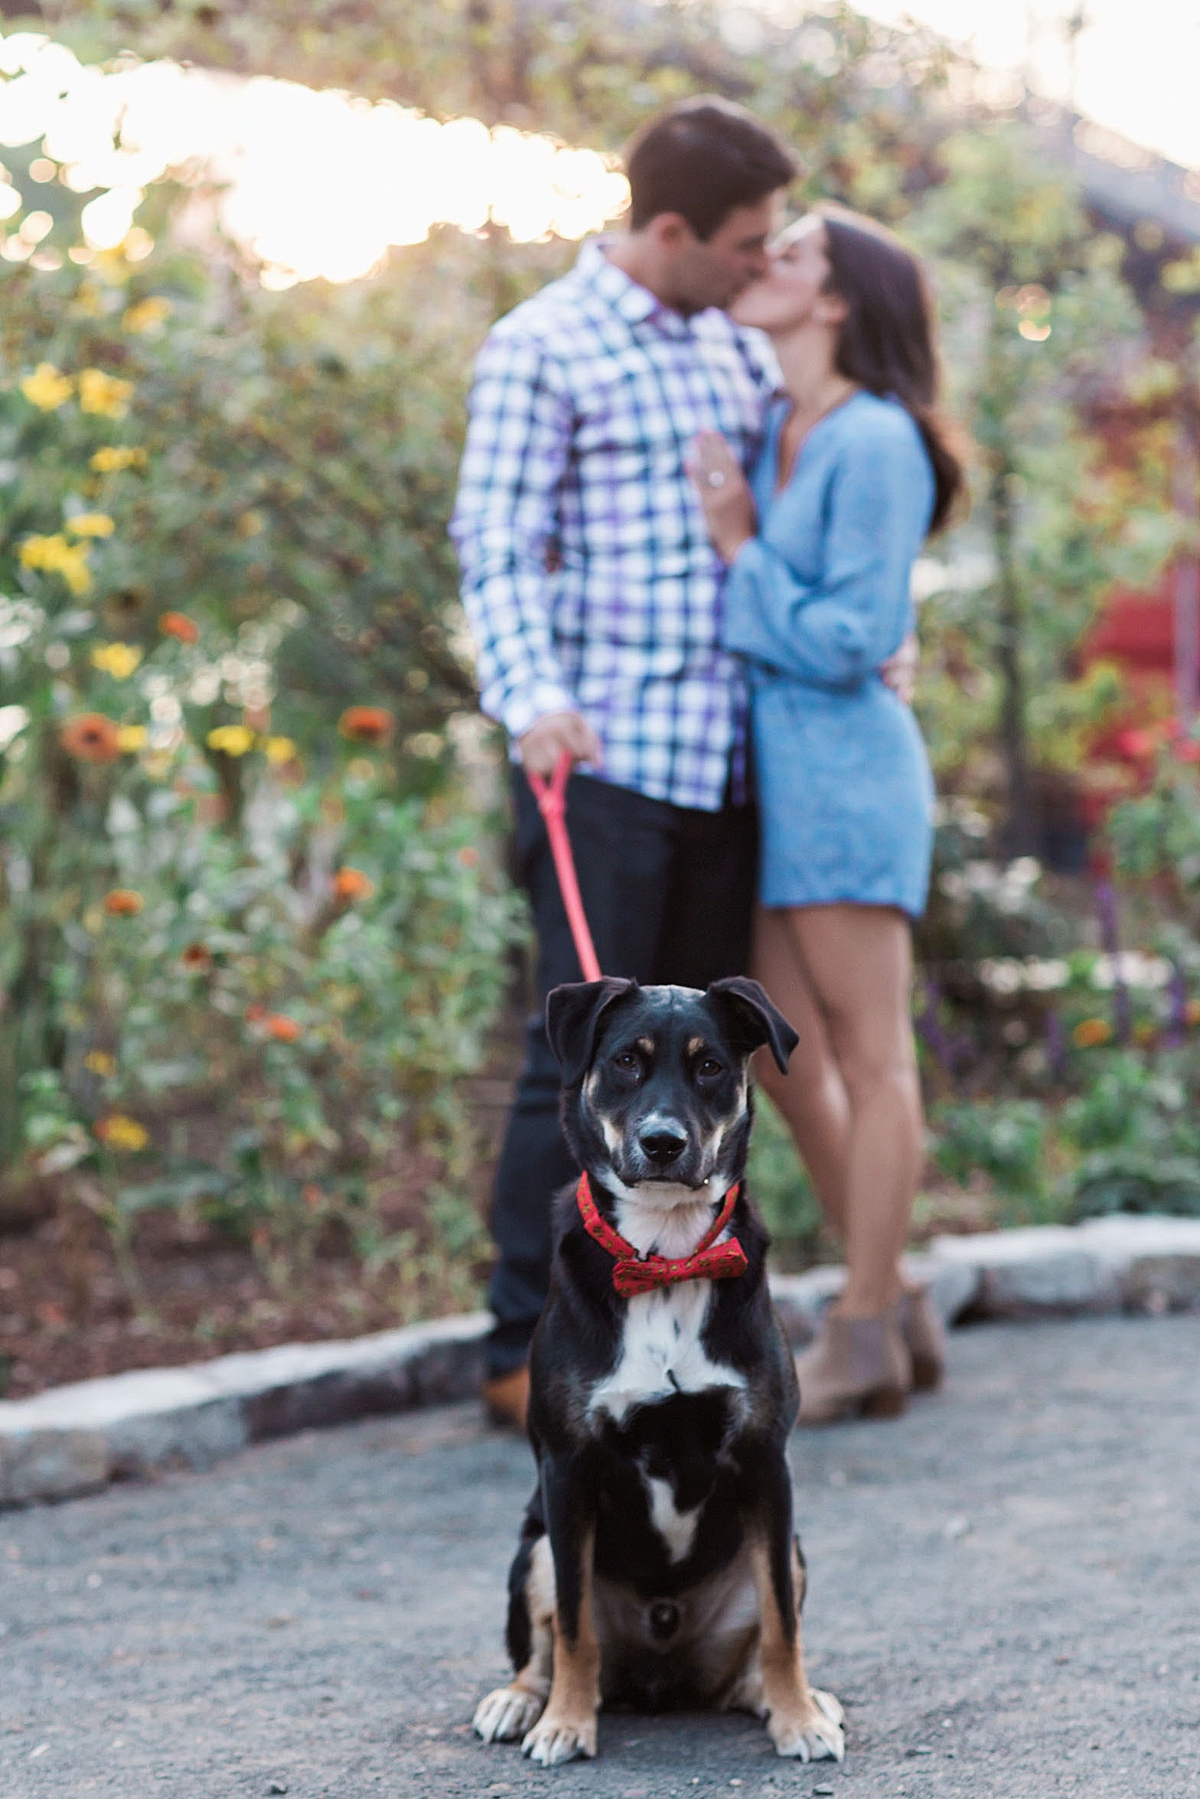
[567, 1727]
[802, 1722]
[510, 1711]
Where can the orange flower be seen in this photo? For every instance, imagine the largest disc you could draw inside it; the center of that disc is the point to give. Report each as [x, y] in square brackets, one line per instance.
[1191, 1012]
[282, 1028]
[178, 624]
[312, 1196]
[1090, 1033]
[352, 884]
[123, 902]
[254, 1014]
[367, 724]
[197, 956]
[469, 857]
[91, 738]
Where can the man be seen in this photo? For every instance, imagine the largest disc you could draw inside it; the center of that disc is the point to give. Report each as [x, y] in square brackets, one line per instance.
[594, 596]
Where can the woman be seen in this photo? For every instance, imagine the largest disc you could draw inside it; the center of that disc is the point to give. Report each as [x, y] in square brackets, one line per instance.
[855, 472]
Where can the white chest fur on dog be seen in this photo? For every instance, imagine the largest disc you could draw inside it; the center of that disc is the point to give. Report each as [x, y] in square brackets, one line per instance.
[661, 1352]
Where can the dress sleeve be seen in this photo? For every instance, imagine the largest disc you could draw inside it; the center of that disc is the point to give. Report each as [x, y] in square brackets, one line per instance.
[505, 518]
[835, 632]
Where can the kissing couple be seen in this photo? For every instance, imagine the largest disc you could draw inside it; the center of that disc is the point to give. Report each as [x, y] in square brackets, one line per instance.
[698, 471]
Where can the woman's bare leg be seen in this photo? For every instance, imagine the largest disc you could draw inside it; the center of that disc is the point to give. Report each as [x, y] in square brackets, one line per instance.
[811, 1096]
[858, 964]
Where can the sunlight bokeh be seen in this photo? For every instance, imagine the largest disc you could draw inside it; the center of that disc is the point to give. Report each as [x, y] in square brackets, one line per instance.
[312, 183]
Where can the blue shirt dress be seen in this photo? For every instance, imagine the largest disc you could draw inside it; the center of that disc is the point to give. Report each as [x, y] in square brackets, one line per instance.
[815, 603]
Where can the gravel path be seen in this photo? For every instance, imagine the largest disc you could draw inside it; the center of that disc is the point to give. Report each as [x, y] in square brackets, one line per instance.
[1005, 1594]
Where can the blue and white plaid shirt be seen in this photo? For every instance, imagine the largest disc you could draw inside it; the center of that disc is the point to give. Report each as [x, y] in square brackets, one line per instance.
[589, 580]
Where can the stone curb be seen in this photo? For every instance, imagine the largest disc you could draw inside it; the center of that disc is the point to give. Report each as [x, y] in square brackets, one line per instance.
[1046, 1271]
[74, 1439]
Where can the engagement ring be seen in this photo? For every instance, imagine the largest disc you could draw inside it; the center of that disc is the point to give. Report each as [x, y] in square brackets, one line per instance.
[716, 477]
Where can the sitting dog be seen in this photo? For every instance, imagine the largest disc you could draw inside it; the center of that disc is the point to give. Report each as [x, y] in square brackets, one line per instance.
[657, 1565]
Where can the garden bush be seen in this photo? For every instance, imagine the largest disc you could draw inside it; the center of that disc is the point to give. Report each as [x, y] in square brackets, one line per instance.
[253, 930]
[779, 1184]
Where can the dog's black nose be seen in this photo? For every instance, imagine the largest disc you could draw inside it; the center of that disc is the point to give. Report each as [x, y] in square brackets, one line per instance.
[664, 1619]
[662, 1147]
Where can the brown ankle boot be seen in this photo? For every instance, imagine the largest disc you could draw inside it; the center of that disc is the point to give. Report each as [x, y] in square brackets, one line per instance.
[854, 1367]
[925, 1338]
[506, 1399]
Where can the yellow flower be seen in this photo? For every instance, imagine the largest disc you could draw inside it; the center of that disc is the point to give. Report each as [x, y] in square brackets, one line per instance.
[131, 738]
[148, 314]
[117, 659]
[54, 555]
[250, 524]
[46, 388]
[279, 750]
[112, 458]
[231, 740]
[43, 552]
[98, 1061]
[1090, 1033]
[120, 1132]
[75, 571]
[105, 394]
[91, 524]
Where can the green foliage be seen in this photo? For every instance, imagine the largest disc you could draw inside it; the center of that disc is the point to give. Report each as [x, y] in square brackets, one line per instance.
[851, 94]
[246, 952]
[781, 1189]
[1127, 1141]
[1121, 1100]
[1139, 1176]
[980, 908]
[1004, 1139]
[1140, 1146]
[296, 464]
[1038, 325]
[1156, 836]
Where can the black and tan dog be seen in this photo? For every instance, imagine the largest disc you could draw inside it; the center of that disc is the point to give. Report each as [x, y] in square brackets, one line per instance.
[657, 1565]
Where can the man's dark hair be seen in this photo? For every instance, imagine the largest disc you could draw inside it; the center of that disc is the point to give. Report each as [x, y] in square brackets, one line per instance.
[701, 158]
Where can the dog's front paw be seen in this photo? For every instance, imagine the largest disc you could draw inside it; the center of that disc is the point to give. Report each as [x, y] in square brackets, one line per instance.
[508, 1713]
[560, 1739]
[814, 1735]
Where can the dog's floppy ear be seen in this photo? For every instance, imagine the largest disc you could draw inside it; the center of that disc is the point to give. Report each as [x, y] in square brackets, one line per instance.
[573, 1014]
[757, 1021]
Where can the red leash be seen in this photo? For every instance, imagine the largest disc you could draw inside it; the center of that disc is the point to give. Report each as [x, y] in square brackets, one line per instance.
[551, 797]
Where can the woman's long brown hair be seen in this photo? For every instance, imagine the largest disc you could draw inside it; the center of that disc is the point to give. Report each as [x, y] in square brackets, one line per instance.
[887, 342]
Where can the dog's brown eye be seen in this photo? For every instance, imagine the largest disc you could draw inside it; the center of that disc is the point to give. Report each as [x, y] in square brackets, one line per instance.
[708, 1068]
[626, 1061]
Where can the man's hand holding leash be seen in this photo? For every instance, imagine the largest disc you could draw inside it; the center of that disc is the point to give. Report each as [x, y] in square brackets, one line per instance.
[558, 734]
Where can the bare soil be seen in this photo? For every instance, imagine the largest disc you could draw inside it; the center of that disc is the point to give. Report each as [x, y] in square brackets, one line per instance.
[67, 1312]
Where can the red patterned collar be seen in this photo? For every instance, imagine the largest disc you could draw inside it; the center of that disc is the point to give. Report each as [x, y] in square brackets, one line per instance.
[633, 1274]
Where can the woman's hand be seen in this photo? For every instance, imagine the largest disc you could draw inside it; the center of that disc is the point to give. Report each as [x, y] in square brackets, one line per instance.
[899, 672]
[724, 493]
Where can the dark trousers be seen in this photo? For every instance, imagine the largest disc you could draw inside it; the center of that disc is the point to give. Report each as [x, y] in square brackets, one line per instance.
[668, 893]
